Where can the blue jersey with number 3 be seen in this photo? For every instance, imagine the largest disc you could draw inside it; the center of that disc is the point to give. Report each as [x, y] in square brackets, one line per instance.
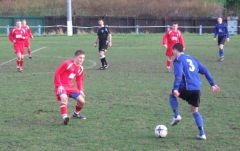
[186, 72]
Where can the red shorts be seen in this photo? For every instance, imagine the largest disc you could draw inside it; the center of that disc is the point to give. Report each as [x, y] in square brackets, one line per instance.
[19, 48]
[169, 52]
[26, 43]
[68, 90]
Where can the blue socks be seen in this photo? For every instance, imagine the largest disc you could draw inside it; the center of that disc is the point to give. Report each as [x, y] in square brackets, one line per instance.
[221, 53]
[174, 105]
[199, 121]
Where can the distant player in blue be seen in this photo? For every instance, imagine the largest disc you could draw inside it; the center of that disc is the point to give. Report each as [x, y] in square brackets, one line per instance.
[221, 32]
[187, 85]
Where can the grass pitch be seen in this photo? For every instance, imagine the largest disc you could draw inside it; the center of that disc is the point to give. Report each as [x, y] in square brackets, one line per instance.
[124, 103]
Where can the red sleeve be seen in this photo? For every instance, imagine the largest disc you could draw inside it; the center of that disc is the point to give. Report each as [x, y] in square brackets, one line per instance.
[30, 33]
[181, 40]
[79, 81]
[164, 40]
[58, 72]
[10, 36]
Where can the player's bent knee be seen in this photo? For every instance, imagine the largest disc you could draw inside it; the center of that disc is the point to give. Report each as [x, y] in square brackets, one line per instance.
[64, 98]
[194, 109]
[101, 53]
[81, 99]
[221, 46]
[169, 59]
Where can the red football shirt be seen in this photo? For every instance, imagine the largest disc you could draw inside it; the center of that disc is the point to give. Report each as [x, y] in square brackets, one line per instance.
[28, 33]
[172, 37]
[17, 35]
[66, 73]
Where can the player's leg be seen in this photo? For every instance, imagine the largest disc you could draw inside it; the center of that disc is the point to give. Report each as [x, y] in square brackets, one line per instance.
[199, 122]
[17, 50]
[80, 102]
[174, 105]
[103, 59]
[18, 56]
[194, 101]
[221, 52]
[169, 55]
[64, 107]
[27, 45]
[29, 52]
[221, 42]
[173, 102]
[22, 56]
[168, 63]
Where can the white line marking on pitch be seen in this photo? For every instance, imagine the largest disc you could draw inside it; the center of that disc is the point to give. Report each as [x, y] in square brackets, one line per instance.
[6, 62]
[93, 64]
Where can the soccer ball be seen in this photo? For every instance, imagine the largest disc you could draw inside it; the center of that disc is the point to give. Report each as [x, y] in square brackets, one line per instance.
[161, 131]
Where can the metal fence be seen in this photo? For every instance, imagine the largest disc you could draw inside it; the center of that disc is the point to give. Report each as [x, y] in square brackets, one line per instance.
[82, 24]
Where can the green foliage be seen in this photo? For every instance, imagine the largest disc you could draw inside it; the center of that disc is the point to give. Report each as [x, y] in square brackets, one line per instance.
[154, 8]
[124, 103]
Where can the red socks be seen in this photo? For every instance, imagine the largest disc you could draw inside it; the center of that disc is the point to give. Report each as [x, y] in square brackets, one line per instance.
[63, 109]
[29, 52]
[78, 107]
[168, 63]
[19, 63]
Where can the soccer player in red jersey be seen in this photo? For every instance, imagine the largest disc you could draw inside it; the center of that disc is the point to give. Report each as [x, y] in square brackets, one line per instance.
[28, 37]
[171, 37]
[17, 37]
[64, 87]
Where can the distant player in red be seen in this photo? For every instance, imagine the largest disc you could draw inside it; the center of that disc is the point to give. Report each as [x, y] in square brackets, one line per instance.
[171, 37]
[28, 37]
[64, 87]
[17, 37]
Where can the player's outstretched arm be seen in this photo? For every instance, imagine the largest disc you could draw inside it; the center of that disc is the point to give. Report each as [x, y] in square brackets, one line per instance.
[96, 42]
[215, 32]
[164, 40]
[80, 85]
[203, 70]
[110, 40]
[178, 74]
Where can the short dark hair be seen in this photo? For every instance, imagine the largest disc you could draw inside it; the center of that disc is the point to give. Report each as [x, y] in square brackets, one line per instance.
[102, 19]
[79, 52]
[178, 47]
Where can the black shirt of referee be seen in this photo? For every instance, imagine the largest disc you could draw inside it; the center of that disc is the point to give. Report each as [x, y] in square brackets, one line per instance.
[103, 34]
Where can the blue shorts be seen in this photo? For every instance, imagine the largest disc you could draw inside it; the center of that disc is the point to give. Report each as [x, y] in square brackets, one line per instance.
[74, 95]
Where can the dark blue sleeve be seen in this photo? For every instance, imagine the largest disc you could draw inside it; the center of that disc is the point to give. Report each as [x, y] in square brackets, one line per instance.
[203, 70]
[178, 74]
[215, 31]
[226, 29]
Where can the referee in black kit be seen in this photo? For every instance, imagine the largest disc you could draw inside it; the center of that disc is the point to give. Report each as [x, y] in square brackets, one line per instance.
[104, 40]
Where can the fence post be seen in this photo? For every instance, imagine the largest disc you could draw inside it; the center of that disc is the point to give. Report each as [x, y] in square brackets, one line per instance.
[8, 29]
[200, 29]
[137, 29]
[168, 27]
[39, 30]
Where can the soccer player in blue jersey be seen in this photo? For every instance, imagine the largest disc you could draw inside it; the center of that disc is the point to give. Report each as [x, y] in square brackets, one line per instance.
[187, 85]
[221, 32]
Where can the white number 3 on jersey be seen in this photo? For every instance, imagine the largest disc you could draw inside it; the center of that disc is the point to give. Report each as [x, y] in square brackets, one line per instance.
[192, 67]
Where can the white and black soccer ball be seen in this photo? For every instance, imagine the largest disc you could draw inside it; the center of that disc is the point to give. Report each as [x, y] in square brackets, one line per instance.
[161, 131]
